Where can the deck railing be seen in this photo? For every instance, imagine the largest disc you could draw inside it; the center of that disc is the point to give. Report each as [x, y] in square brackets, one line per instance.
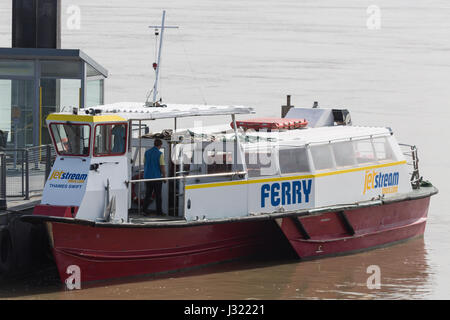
[240, 174]
[197, 176]
[410, 152]
[24, 171]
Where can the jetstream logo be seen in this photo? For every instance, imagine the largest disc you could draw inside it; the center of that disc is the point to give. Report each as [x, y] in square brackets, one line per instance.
[292, 192]
[387, 181]
[69, 176]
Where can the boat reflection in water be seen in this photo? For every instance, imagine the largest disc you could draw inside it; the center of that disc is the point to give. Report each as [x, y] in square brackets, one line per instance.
[404, 270]
[404, 274]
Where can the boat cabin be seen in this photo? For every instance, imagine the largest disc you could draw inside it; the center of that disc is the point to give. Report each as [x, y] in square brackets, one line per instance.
[215, 174]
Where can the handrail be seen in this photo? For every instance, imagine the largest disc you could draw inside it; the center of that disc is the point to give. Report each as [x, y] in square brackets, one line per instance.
[406, 145]
[285, 143]
[198, 176]
[24, 149]
[416, 179]
[22, 160]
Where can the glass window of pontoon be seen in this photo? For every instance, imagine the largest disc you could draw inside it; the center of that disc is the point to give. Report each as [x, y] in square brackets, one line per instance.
[16, 68]
[322, 157]
[294, 160]
[344, 154]
[364, 151]
[110, 139]
[71, 139]
[61, 69]
[261, 163]
[383, 149]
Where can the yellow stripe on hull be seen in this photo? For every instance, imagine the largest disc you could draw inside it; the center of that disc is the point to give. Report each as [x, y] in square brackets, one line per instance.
[308, 176]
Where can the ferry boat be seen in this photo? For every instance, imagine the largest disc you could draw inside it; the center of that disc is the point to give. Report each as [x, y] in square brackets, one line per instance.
[309, 184]
[313, 191]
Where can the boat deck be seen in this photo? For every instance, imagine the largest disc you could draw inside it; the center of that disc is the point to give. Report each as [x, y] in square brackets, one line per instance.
[141, 219]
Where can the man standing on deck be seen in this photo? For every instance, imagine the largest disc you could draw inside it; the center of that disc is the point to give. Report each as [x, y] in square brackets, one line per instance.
[154, 168]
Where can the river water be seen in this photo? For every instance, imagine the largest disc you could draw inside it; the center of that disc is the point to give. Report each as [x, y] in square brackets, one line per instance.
[254, 53]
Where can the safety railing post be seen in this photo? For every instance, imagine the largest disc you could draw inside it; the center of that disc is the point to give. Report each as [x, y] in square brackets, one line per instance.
[36, 157]
[27, 175]
[22, 168]
[416, 175]
[416, 179]
[3, 202]
[48, 162]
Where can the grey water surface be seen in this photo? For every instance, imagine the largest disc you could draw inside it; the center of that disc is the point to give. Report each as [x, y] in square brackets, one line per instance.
[254, 53]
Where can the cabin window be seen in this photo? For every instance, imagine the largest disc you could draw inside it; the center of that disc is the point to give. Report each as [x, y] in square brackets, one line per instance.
[322, 157]
[110, 139]
[294, 160]
[364, 151]
[383, 149]
[71, 139]
[261, 163]
[218, 161]
[182, 155]
[344, 154]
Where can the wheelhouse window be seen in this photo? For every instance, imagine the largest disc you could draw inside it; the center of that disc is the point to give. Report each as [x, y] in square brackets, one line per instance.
[219, 161]
[364, 151]
[261, 163]
[71, 139]
[344, 153]
[110, 139]
[294, 160]
[322, 157]
[383, 149]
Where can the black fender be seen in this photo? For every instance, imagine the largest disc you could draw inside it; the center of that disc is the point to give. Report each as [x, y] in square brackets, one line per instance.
[6, 250]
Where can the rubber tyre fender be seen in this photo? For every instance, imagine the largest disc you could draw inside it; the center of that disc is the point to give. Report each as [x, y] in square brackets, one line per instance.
[6, 250]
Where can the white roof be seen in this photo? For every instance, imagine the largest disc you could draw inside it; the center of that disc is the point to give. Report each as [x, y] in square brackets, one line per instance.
[213, 129]
[319, 135]
[290, 138]
[138, 110]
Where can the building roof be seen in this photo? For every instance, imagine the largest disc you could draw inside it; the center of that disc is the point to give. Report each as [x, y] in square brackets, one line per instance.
[53, 54]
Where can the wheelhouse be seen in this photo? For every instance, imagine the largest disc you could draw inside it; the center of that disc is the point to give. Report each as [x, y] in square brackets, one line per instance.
[86, 135]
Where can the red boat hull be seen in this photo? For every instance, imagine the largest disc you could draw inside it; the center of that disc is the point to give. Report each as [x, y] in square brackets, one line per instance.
[342, 232]
[104, 253]
[114, 252]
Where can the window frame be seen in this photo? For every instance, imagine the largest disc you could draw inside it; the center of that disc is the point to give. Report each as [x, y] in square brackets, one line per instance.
[387, 144]
[110, 154]
[330, 151]
[354, 163]
[375, 157]
[310, 170]
[274, 152]
[76, 124]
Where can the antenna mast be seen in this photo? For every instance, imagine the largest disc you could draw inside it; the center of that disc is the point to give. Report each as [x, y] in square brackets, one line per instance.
[157, 65]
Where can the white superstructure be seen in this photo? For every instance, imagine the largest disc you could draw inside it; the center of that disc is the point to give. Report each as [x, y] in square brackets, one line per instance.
[213, 175]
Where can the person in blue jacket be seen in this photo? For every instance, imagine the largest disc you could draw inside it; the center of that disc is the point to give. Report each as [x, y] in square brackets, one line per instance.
[118, 133]
[154, 168]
